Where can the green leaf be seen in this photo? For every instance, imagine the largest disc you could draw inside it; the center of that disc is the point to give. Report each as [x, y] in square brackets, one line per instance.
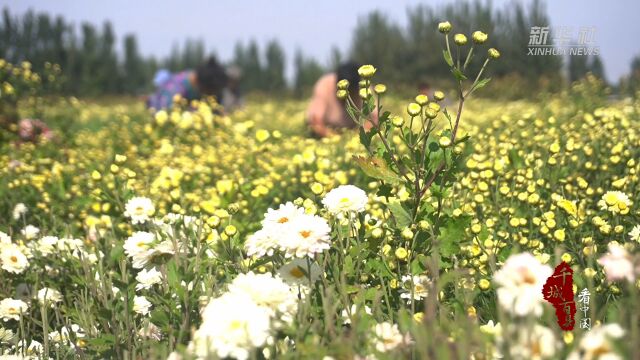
[419, 264]
[447, 57]
[458, 74]
[451, 234]
[480, 84]
[377, 168]
[352, 289]
[371, 294]
[348, 264]
[403, 219]
[160, 317]
[365, 137]
[352, 114]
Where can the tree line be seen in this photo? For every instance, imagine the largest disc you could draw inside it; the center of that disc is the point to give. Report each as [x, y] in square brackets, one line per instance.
[92, 64]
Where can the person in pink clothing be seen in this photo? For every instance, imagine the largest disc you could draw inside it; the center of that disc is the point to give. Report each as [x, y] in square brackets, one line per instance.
[326, 114]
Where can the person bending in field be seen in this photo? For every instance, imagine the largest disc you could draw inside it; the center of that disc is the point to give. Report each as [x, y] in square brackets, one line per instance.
[209, 78]
[326, 113]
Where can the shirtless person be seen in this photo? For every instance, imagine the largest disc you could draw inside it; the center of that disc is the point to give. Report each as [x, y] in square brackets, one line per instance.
[326, 113]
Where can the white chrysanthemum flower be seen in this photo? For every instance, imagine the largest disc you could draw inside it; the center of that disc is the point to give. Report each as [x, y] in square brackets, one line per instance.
[33, 350]
[166, 247]
[30, 232]
[92, 258]
[139, 247]
[150, 331]
[139, 209]
[233, 325]
[13, 259]
[297, 272]
[70, 244]
[179, 219]
[388, 337]
[6, 335]
[491, 328]
[60, 337]
[421, 285]
[286, 214]
[19, 210]
[147, 278]
[346, 315]
[177, 225]
[535, 343]
[4, 239]
[520, 284]
[141, 305]
[617, 263]
[261, 243]
[10, 309]
[47, 245]
[48, 295]
[13, 357]
[615, 202]
[634, 234]
[596, 343]
[268, 291]
[345, 198]
[308, 235]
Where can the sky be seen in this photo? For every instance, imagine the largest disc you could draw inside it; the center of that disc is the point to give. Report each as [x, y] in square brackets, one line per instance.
[314, 27]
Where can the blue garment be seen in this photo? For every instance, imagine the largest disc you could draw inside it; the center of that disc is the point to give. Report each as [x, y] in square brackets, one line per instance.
[161, 76]
[175, 84]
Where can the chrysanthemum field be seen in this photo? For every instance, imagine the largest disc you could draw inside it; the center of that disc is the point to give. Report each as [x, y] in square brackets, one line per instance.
[189, 234]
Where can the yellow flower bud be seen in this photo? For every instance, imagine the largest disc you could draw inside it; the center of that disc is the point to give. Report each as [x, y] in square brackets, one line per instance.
[401, 253]
[479, 37]
[418, 317]
[414, 109]
[460, 39]
[407, 234]
[444, 141]
[317, 188]
[366, 71]
[380, 89]
[430, 113]
[230, 230]
[365, 93]
[444, 27]
[120, 158]
[343, 84]
[423, 225]
[422, 99]
[397, 121]
[493, 53]
[484, 284]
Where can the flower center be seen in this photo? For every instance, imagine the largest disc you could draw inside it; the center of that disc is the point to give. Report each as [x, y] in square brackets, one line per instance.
[296, 272]
[283, 220]
[529, 278]
[305, 233]
[13, 259]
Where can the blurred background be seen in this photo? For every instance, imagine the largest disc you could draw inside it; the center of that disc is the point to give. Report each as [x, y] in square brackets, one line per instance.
[116, 47]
